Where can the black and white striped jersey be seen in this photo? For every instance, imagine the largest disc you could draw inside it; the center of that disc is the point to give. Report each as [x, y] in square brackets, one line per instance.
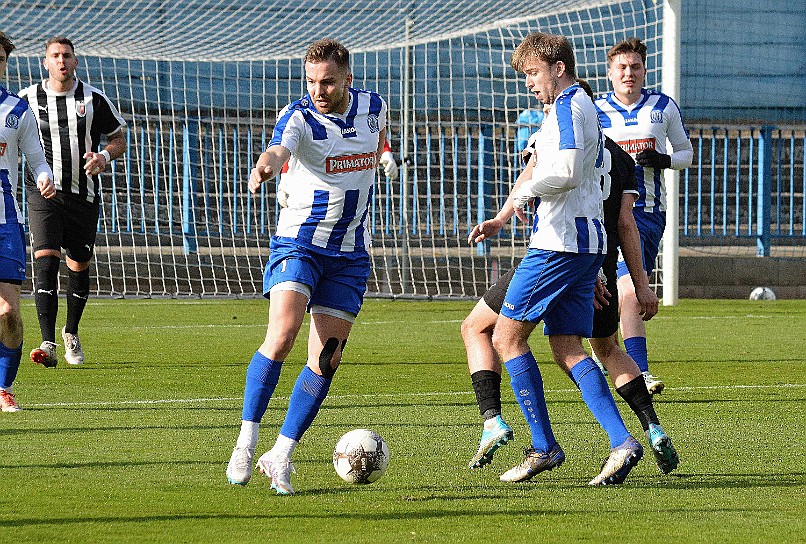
[70, 124]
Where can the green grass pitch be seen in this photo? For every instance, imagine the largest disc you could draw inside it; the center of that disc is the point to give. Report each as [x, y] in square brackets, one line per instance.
[132, 446]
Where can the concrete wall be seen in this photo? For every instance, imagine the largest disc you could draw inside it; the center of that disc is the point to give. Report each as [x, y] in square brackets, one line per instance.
[735, 277]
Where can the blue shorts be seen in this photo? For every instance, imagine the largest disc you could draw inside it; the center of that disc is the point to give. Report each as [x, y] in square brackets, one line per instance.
[556, 288]
[12, 253]
[650, 227]
[337, 282]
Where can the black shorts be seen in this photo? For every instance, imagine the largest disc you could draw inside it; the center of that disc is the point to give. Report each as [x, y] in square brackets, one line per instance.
[494, 297]
[64, 221]
[605, 322]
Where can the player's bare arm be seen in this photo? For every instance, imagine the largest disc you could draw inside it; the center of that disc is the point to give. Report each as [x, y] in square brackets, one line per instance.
[98, 162]
[381, 145]
[491, 227]
[631, 250]
[268, 166]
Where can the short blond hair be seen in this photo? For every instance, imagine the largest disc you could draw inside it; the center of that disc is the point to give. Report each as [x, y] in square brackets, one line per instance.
[548, 48]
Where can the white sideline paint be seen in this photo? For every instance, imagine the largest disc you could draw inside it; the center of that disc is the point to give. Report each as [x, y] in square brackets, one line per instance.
[377, 395]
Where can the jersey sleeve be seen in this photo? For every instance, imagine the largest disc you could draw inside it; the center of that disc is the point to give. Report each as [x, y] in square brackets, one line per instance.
[288, 129]
[107, 116]
[31, 147]
[682, 151]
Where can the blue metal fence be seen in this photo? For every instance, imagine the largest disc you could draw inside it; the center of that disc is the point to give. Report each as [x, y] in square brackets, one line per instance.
[746, 184]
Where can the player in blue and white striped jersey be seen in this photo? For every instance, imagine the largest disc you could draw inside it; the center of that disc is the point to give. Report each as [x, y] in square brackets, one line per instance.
[641, 122]
[332, 140]
[18, 132]
[554, 282]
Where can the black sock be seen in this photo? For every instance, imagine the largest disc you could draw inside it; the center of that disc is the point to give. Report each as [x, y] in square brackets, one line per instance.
[78, 289]
[487, 385]
[639, 399]
[47, 295]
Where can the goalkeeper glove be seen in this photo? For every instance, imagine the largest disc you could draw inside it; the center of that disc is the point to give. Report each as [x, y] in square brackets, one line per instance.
[389, 165]
[653, 159]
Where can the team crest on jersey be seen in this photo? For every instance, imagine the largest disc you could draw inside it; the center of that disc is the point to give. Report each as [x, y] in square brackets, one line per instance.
[2, 148]
[372, 122]
[81, 108]
[304, 103]
[656, 116]
[12, 121]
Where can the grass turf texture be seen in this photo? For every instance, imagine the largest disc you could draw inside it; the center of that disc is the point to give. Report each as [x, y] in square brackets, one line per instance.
[132, 446]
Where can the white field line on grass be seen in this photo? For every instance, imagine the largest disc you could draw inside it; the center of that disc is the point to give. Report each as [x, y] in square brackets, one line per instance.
[377, 395]
[368, 323]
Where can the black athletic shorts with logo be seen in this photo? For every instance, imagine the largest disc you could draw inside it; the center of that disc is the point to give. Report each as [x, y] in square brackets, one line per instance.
[605, 321]
[64, 221]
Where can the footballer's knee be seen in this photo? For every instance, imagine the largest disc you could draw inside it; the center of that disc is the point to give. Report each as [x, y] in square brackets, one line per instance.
[330, 357]
[10, 324]
[278, 344]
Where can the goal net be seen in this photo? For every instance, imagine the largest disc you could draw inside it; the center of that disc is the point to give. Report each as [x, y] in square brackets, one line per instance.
[200, 83]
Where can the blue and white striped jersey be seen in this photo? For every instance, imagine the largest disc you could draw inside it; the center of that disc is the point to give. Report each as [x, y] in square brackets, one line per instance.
[18, 132]
[647, 124]
[331, 172]
[571, 221]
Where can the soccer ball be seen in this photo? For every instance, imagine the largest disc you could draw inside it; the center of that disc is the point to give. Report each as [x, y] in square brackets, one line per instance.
[762, 293]
[361, 457]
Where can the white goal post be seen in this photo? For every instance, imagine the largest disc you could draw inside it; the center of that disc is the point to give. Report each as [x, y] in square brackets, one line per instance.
[177, 219]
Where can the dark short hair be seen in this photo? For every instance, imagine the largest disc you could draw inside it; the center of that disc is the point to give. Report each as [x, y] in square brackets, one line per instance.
[548, 48]
[60, 40]
[630, 45]
[6, 43]
[585, 87]
[327, 49]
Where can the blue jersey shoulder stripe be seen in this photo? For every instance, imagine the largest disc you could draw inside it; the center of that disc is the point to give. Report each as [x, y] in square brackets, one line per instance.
[279, 128]
[375, 103]
[661, 104]
[20, 108]
[562, 108]
[604, 119]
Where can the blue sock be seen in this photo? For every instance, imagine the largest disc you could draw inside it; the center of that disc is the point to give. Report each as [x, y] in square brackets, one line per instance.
[262, 376]
[527, 383]
[636, 348]
[596, 394]
[9, 364]
[306, 398]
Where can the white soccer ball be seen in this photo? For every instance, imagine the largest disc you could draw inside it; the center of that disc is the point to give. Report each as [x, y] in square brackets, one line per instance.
[762, 293]
[361, 457]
